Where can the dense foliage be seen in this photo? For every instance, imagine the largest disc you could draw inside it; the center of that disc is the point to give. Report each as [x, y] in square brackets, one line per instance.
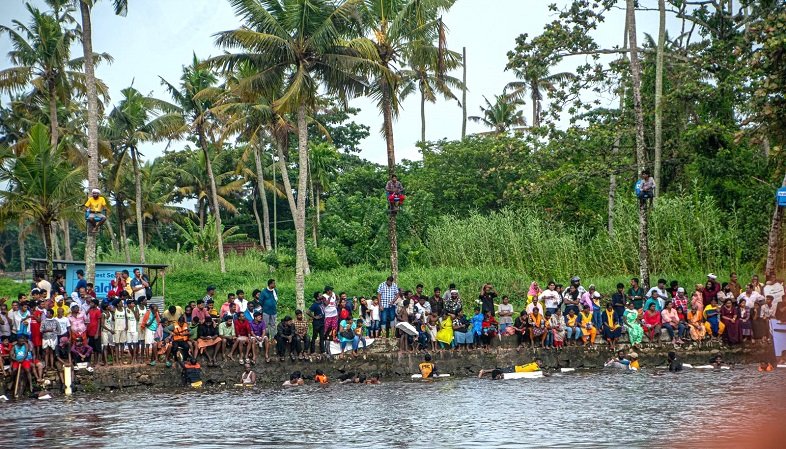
[532, 195]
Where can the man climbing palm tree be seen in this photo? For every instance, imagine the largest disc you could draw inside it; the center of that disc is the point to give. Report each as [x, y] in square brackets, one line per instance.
[395, 193]
[96, 210]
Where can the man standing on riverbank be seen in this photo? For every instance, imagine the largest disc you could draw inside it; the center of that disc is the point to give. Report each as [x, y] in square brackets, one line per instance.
[387, 292]
[269, 299]
[139, 284]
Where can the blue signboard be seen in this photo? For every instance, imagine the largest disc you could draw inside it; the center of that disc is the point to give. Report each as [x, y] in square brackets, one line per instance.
[104, 276]
[781, 196]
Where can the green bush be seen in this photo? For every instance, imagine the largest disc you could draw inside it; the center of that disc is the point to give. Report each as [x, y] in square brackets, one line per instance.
[323, 258]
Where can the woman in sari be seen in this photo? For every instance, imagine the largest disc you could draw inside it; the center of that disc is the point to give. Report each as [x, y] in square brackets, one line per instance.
[730, 315]
[713, 323]
[635, 331]
[588, 330]
[612, 327]
[651, 322]
[696, 325]
[445, 332]
[537, 326]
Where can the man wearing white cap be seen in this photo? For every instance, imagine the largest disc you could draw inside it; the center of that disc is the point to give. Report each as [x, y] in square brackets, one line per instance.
[95, 210]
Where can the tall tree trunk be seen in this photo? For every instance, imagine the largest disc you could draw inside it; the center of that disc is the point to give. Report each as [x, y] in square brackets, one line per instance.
[534, 97]
[422, 117]
[201, 208]
[256, 217]
[92, 129]
[290, 196]
[312, 206]
[66, 238]
[275, 210]
[300, 213]
[50, 251]
[140, 232]
[615, 149]
[319, 205]
[54, 126]
[641, 156]
[464, 93]
[213, 201]
[659, 94]
[387, 116]
[55, 240]
[263, 196]
[774, 240]
[121, 228]
[20, 239]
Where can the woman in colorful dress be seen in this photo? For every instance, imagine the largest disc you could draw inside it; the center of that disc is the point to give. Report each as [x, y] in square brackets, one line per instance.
[635, 331]
[537, 326]
[651, 322]
[445, 332]
[696, 325]
[713, 323]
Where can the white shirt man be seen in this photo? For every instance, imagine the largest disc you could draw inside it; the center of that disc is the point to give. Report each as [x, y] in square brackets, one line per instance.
[774, 289]
[550, 298]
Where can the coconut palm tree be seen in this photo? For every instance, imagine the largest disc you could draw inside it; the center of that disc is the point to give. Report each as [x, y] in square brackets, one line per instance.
[426, 74]
[397, 25]
[502, 115]
[195, 97]
[251, 115]
[139, 119]
[91, 88]
[41, 54]
[298, 47]
[157, 193]
[535, 81]
[193, 183]
[41, 186]
[323, 158]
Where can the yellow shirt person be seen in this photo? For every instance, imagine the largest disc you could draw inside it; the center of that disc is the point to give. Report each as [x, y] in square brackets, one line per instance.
[95, 210]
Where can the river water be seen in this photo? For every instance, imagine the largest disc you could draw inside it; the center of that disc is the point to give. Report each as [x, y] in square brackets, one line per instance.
[590, 409]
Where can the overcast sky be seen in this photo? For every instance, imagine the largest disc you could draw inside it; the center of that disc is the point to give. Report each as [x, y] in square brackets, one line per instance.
[158, 37]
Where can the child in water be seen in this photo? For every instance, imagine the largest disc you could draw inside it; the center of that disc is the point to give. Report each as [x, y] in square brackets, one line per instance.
[321, 378]
[427, 369]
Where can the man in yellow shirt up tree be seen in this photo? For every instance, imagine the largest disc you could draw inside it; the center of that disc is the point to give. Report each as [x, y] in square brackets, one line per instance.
[96, 210]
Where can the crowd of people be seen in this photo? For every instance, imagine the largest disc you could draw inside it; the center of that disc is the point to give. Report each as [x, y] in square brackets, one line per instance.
[51, 329]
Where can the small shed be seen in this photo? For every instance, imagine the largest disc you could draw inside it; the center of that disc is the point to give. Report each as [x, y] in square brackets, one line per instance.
[105, 273]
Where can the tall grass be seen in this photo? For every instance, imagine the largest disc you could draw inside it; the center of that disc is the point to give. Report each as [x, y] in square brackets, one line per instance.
[687, 233]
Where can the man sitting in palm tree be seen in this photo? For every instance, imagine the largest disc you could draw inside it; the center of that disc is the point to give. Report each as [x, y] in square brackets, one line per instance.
[395, 193]
[96, 210]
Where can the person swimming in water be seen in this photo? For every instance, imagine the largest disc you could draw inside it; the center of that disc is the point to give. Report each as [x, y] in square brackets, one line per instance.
[499, 373]
[295, 380]
[675, 364]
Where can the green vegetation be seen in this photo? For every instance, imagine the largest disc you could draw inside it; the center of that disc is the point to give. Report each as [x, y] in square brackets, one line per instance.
[270, 149]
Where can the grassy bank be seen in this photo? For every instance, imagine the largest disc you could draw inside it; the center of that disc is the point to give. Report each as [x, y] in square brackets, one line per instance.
[188, 276]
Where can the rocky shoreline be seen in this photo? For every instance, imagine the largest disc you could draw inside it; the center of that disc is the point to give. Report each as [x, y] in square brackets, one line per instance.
[383, 359]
